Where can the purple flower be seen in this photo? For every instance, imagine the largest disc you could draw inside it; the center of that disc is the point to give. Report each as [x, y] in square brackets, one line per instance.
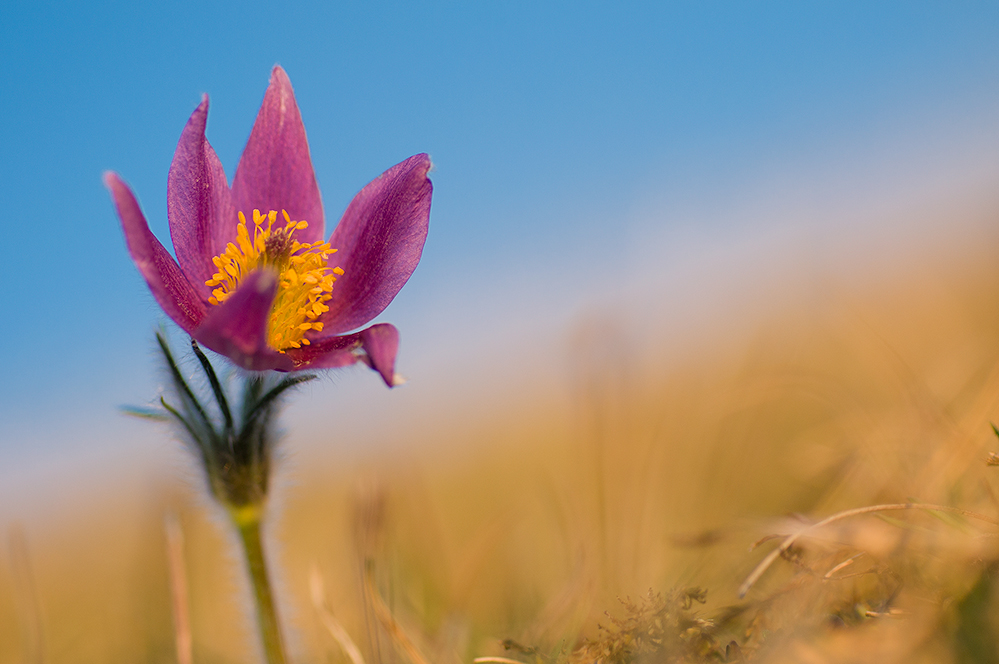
[253, 279]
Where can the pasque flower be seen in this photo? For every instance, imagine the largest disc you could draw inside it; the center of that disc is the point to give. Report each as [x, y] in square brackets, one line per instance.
[254, 278]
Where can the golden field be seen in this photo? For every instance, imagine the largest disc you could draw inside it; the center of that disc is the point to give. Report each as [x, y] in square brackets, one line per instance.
[522, 533]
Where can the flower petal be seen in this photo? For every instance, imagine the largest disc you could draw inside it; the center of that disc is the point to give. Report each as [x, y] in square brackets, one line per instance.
[379, 242]
[275, 171]
[171, 288]
[380, 342]
[237, 328]
[199, 204]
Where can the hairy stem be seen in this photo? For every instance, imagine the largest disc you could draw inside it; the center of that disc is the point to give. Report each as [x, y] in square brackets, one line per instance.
[247, 521]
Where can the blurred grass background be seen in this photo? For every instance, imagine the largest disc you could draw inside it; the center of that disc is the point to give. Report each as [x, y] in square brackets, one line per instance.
[647, 471]
[698, 274]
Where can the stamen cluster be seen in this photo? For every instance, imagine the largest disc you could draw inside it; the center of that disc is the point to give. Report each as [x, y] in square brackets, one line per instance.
[304, 280]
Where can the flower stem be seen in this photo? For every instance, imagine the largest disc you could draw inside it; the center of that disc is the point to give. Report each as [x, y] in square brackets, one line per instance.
[247, 521]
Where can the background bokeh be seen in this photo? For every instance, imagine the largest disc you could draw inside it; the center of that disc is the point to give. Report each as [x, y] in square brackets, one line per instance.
[589, 159]
[650, 180]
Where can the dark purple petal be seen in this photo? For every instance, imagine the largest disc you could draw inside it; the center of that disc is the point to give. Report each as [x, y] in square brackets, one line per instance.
[380, 342]
[170, 287]
[275, 171]
[379, 242]
[199, 205]
[328, 353]
[237, 328]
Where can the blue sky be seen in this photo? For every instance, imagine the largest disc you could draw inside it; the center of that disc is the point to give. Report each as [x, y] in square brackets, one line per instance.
[554, 128]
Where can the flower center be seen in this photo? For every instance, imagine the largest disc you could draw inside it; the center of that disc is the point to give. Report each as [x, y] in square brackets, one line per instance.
[304, 280]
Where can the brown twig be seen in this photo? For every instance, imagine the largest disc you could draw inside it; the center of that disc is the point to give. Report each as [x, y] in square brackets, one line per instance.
[386, 618]
[26, 593]
[329, 621]
[789, 541]
[178, 588]
[845, 563]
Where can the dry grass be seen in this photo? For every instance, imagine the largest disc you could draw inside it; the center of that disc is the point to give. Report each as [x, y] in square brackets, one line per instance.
[543, 543]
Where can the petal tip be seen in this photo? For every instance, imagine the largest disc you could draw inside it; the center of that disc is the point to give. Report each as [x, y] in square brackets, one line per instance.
[424, 160]
[279, 75]
[267, 281]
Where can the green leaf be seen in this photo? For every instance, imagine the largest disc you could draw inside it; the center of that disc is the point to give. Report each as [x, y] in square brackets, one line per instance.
[145, 413]
[213, 379]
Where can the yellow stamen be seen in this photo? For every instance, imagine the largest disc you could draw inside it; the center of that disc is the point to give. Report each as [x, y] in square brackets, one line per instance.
[304, 280]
